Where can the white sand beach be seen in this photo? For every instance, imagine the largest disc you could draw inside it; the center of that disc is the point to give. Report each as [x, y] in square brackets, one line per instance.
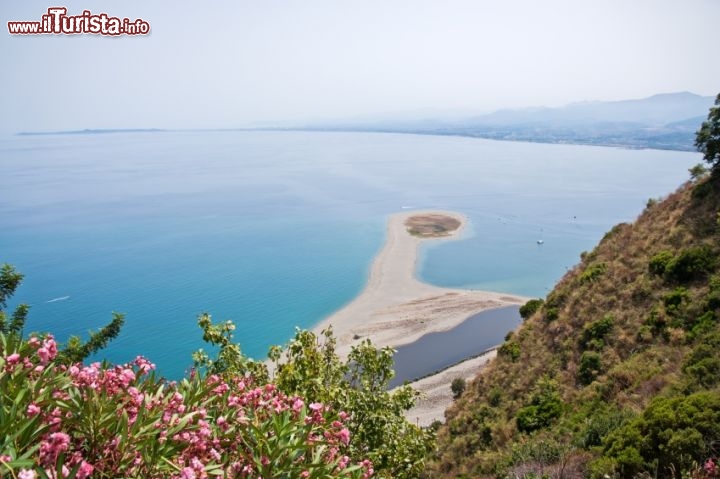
[436, 392]
[396, 308]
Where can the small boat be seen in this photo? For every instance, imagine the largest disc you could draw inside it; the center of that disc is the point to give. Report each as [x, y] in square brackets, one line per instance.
[540, 241]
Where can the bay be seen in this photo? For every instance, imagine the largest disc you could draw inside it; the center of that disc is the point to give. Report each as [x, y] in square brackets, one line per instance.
[276, 230]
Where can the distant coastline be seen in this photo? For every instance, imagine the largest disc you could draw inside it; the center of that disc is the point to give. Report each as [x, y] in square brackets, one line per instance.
[673, 141]
[90, 131]
[685, 143]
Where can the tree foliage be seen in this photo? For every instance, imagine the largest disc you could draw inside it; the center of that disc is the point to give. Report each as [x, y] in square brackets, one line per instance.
[75, 350]
[457, 386]
[357, 387]
[707, 138]
[10, 279]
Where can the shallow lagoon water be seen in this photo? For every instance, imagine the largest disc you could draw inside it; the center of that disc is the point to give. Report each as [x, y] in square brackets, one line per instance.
[278, 229]
[442, 349]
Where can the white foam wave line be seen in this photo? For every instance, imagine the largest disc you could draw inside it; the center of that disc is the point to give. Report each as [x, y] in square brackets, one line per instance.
[61, 298]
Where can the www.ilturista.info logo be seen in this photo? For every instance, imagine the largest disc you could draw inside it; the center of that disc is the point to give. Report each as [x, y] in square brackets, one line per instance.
[58, 22]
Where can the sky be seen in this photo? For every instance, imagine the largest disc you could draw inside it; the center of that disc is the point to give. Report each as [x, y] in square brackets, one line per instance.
[237, 63]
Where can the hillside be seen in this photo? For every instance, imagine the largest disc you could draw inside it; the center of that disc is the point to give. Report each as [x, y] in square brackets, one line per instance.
[617, 372]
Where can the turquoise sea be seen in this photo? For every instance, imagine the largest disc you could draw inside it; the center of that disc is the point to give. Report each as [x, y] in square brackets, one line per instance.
[278, 229]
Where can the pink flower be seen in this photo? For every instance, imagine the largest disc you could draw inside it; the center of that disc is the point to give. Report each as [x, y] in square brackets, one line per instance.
[316, 406]
[48, 351]
[367, 467]
[13, 359]
[44, 355]
[710, 467]
[34, 342]
[64, 472]
[187, 473]
[54, 444]
[344, 436]
[127, 376]
[86, 469]
[26, 474]
[196, 464]
[221, 389]
[215, 455]
[33, 410]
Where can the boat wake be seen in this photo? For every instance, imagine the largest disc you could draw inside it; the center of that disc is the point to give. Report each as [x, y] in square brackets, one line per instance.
[61, 298]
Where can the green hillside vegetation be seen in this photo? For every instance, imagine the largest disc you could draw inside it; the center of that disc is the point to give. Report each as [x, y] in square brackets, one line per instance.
[617, 372]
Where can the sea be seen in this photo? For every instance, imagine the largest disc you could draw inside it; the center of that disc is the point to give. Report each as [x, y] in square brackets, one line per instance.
[276, 230]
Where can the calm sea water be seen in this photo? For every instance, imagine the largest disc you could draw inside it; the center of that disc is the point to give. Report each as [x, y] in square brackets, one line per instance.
[278, 229]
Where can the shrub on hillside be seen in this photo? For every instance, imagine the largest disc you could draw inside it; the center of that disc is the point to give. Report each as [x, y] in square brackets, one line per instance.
[672, 435]
[593, 272]
[596, 331]
[510, 349]
[551, 314]
[691, 264]
[529, 308]
[545, 406]
[702, 365]
[658, 262]
[590, 366]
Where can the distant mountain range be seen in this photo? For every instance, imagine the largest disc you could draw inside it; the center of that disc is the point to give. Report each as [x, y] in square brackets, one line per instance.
[664, 121]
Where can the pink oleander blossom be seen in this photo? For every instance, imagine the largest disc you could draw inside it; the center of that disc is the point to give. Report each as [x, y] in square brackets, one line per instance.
[187, 473]
[710, 467]
[48, 350]
[54, 444]
[26, 474]
[33, 410]
[344, 436]
[86, 469]
[12, 359]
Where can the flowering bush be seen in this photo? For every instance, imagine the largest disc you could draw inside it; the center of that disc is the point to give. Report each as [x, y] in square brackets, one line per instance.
[98, 420]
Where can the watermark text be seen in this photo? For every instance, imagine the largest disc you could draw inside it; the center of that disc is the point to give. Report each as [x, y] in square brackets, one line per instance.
[57, 22]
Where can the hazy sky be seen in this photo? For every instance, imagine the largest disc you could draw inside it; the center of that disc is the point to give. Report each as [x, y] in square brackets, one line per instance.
[230, 63]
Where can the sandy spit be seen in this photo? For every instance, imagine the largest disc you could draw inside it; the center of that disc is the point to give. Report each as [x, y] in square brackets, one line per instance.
[396, 308]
